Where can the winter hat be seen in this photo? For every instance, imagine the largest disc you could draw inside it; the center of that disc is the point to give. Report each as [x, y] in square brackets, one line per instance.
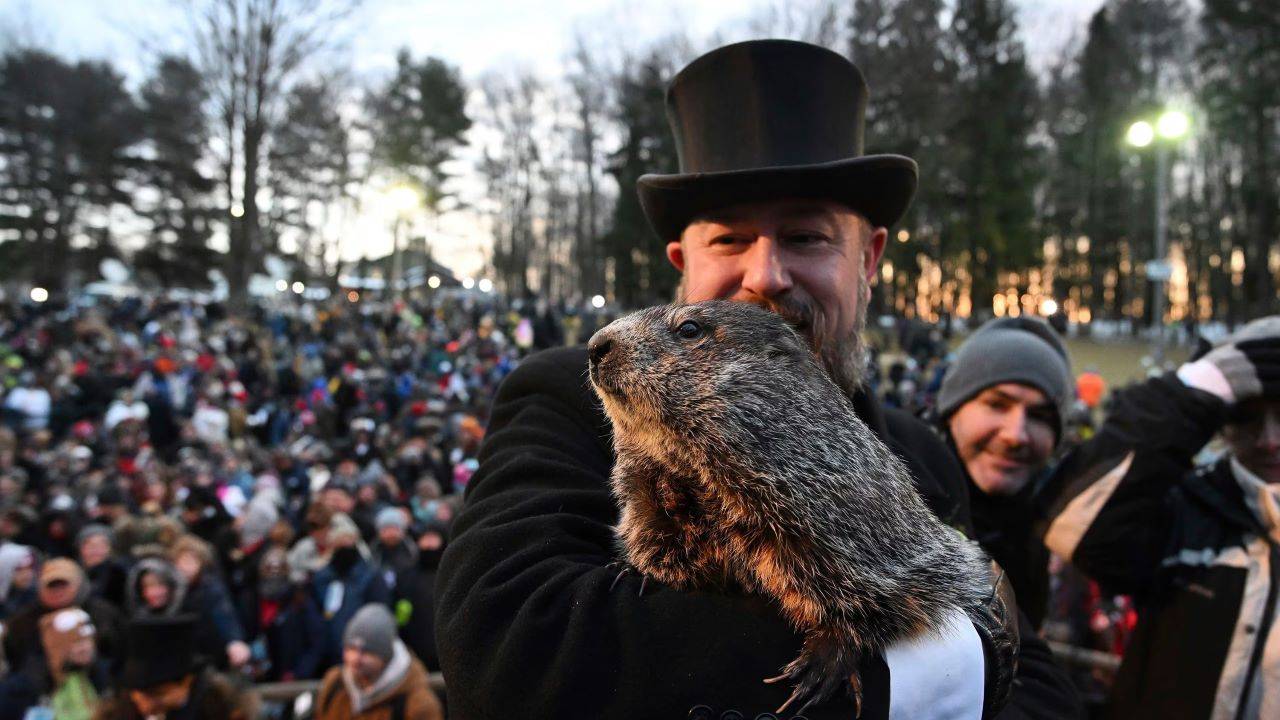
[12, 557]
[61, 569]
[257, 520]
[373, 630]
[58, 632]
[1260, 329]
[94, 530]
[391, 516]
[1023, 350]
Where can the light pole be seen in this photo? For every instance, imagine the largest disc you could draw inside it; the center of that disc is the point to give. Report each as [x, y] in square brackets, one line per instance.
[1170, 126]
[404, 200]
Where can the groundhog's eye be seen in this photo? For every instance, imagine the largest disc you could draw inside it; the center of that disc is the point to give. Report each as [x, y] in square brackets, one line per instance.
[689, 330]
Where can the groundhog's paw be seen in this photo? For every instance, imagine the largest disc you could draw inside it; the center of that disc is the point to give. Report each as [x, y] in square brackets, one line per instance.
[817, 676]
[624, 568]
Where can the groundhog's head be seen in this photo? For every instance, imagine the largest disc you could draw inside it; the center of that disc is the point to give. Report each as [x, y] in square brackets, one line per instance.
[719, 368]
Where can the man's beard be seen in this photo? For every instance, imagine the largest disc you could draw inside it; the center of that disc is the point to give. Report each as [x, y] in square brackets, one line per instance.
[844, 357]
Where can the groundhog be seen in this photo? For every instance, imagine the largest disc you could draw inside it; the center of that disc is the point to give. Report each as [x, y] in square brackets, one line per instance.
[739, 460]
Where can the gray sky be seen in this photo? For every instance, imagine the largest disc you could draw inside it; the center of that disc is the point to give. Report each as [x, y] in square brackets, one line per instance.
[477, 35]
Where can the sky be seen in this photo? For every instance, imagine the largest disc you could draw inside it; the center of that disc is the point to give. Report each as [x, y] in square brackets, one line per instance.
[478, 36]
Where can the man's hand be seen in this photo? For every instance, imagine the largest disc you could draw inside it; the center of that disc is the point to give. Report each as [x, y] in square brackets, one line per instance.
[1237, 372]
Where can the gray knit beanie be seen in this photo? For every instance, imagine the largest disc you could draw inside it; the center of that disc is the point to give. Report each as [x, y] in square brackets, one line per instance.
[373, 630]
[390, 516]
[1023, 350]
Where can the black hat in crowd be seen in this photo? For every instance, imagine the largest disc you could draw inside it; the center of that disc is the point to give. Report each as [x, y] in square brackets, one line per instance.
[159, 650]
[772, 119]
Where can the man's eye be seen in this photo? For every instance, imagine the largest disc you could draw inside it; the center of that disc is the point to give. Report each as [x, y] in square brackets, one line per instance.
[806, 239]
[689, 330]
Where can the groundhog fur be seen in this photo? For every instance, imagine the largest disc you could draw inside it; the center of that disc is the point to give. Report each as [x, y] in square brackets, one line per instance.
[738, 459]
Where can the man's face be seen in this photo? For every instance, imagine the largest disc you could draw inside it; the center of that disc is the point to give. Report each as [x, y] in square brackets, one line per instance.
[808, 260]
[94, 550]
[390, 535]
[338, 501]
[155, 591]
[365, 667]
[57, 594]
[1004, 435]
[1253, 434]
[81, 652]
[162, 699]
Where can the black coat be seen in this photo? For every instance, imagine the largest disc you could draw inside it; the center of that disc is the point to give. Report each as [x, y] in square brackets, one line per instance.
[527, 625]
[1006, 529]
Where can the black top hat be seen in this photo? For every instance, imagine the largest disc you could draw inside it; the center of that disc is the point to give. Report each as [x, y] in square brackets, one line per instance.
[159, 650]
[772, 119]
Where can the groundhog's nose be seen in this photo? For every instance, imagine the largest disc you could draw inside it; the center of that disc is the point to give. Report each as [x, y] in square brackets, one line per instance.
[599, 346]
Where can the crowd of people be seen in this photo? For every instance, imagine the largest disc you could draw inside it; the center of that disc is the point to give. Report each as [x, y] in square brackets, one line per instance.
[262, 478]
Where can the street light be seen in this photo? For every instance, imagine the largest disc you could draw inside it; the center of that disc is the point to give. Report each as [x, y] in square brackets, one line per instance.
[1170, 126]
[39, 294]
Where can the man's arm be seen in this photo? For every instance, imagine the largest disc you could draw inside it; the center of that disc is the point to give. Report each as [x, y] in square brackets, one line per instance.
[1109, 512]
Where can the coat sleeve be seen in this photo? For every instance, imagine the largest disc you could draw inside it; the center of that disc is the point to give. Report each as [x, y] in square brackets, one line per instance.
[1042, 690]
[1109, 505]
[221, 611]
[526, 622]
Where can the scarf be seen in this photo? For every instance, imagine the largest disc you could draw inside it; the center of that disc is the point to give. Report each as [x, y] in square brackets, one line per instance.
[386, 685]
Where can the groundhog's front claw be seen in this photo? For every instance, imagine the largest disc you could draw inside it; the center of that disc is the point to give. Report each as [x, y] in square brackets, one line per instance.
[818, 678]
[624, 568]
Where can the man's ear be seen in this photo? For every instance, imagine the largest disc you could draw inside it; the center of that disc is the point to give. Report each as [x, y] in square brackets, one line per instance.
[675, 253]
[872, 251]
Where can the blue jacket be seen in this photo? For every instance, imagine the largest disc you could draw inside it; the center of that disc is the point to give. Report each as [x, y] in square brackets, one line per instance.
[339, 597]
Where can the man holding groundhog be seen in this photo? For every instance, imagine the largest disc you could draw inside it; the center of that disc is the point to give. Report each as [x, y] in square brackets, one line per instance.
[776, 205]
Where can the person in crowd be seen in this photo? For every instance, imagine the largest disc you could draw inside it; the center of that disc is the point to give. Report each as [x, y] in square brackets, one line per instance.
[378, 678]
[106, 572]
[342, 587]
[17, 578]
[1198, 547]
[414, 596]
[163, 678]
[70, 681]
[154, 588]
[311, 553]
[207, 598]
[393, 553]
[775, 204]
[62, 585]
[1001, 409]
[288, 620]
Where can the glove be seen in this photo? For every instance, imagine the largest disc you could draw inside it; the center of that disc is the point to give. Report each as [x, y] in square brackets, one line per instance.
[967, 670]
[1237, 372]
[938, 677]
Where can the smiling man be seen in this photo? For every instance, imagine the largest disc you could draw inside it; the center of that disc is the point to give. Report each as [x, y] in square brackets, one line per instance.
[1001, 408]
[776, 205]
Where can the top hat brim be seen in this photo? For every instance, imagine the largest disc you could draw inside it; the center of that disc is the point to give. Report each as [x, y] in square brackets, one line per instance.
[879, 187]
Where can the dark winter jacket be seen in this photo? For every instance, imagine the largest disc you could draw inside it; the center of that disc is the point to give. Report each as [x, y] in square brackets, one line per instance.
[528, 626]
[360, 585]
[294, 632]
[1136, 516]
[1005, 527]
[219, 624]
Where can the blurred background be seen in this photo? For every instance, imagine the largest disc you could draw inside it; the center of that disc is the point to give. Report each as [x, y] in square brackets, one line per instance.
[1110, 162]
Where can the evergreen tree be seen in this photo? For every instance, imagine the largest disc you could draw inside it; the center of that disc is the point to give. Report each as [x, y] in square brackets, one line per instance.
[1239, 61]
[66, 134]
[641, 274]
[181, 213]
[996, 165]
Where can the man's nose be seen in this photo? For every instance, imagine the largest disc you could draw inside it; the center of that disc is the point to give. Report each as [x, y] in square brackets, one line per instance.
[766, 273]
[599, 346]
[1013, 427]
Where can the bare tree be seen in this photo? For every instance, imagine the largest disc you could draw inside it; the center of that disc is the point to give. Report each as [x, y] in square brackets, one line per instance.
[251, 52]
